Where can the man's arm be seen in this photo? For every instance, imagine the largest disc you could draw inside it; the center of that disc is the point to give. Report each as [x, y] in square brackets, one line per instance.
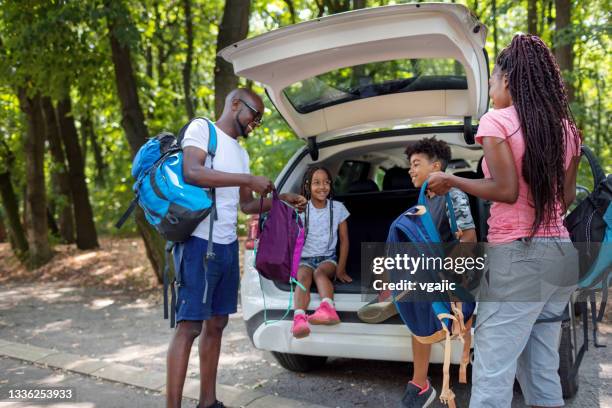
[250, 204]
[194, 172]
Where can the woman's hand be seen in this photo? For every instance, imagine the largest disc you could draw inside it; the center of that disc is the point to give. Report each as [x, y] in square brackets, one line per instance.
[439, 183]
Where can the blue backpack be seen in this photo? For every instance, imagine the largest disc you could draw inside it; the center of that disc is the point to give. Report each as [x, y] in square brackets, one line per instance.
[590, 227]
[443, 319]
[172, 206]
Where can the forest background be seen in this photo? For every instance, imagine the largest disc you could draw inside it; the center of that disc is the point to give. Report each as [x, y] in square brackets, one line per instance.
[84, 83]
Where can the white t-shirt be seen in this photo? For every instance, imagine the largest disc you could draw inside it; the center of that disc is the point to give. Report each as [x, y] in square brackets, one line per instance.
[317, 241]
[230, 157]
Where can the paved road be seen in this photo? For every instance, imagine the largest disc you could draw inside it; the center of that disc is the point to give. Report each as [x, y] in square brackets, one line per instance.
[89, 392]
[117, 327]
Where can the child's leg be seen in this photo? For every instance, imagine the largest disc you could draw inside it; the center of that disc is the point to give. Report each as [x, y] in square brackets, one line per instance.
[300, 328]
[326, 312]
[302, 299]
[323, 279]
[420, 356]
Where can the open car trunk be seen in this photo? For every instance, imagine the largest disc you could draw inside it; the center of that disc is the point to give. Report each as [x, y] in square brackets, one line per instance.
[368, 223]
[371, 68]
[371, 216]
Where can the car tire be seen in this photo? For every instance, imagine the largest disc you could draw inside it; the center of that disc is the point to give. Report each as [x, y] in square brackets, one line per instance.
[298, 362]
[569, 383]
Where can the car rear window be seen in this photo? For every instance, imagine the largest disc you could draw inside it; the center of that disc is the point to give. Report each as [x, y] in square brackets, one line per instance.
[350, 172]
[375, 79]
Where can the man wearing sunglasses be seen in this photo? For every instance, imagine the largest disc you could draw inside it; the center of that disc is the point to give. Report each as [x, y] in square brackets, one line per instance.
[207, 297]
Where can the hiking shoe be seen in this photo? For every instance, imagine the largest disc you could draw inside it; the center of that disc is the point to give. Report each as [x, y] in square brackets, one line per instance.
[380, 309]
[417, 397]
[325, 314]
[377, 312]
[216, 404]
[300, 328]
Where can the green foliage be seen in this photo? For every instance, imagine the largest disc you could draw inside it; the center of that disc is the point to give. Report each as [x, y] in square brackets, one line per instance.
[56, 46]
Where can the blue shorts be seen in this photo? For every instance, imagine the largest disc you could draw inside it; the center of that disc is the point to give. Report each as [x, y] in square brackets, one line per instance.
[313, 262]
[222, 277]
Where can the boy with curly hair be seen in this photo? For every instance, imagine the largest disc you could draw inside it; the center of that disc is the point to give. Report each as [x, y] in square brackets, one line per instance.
[425, 157]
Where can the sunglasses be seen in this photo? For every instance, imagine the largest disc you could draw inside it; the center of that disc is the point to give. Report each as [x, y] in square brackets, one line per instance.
[257, 115]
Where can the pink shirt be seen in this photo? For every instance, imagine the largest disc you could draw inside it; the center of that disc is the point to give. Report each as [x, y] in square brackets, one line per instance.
[509, 222]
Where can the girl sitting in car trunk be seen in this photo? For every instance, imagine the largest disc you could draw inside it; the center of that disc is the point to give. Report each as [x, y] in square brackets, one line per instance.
[325, 223]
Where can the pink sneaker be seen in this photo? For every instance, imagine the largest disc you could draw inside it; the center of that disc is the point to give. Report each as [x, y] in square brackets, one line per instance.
[300, 328]
[325, 314]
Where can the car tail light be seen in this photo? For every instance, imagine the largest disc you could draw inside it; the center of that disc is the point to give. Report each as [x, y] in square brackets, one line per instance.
[253, 226]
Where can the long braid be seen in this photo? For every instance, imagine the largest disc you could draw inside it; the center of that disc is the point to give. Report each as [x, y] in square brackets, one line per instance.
[306, 182]
[540, 98]
[331, 214]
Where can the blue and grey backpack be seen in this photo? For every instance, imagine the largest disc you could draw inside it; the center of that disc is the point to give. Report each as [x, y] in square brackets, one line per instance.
[172, 206]
[590, 228]
[441, 319]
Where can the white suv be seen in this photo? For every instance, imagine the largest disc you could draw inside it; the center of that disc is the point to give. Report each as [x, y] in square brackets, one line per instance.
[359, 87]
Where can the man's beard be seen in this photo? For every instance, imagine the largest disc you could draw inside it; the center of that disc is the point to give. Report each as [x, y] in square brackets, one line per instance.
[241, 129]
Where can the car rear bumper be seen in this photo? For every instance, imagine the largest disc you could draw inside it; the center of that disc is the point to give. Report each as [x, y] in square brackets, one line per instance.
[350, 339]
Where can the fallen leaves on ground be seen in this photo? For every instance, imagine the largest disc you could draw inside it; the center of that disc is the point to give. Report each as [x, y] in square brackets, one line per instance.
[119, 263]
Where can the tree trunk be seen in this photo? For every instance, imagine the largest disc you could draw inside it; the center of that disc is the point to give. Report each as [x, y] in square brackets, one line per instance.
[149, 60]
[88, 134]
[234, 27]
[542, 28]
[101, 165]
[359, 4]
[160, 46]
[494, 17]
[11, 209]
[59, 173]
[291, 8]
[86, 235]
[532, 17]
[189, 59]
[136, 133]
[564, 44]
[3, 232]
[36, 201]
[84, 143]
[53, 228]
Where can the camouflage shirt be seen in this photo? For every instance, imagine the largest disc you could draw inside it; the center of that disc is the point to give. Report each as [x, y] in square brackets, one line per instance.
[461, 204]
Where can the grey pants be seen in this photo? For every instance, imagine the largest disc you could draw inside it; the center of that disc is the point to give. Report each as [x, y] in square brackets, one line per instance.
[526, 282]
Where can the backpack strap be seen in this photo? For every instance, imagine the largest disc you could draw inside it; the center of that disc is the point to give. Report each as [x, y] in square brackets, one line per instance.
[210, 254]
[211, 151]
[127, 213]
[447, 396]
[449, 205]
[598, 173]
[166, 279]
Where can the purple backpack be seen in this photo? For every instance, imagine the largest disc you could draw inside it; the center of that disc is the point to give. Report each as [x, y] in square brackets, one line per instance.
[281, 240]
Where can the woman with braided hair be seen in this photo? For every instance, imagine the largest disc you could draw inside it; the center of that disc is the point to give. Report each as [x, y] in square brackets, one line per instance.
[531, 153]
[325, 222]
